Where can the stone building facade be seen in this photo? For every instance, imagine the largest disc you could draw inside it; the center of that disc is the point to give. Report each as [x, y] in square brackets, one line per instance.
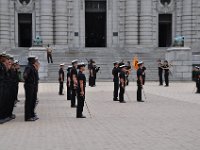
[99, 23]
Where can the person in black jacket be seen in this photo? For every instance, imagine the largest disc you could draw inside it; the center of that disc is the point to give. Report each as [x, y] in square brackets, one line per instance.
[166, 72]
[68, 83]
[122, 77]
[144, 74]
[139, 82]
[4, 88]
[30, 79]
[160, 72]
[16, 67]
[12, 83]
[81, 79]
[74, 82]
[115, 73]
[198, 80]
[61, 78]
[91, 72]
[36, 70]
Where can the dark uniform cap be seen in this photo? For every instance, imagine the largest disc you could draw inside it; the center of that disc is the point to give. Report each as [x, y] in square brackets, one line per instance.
[116, 62]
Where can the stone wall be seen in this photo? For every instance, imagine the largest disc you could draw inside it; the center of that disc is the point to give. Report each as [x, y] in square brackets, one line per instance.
[4, 23]
[181, 60]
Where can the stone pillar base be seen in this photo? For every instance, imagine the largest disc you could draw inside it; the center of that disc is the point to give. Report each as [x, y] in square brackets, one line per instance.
[41, 53]
[181, 59]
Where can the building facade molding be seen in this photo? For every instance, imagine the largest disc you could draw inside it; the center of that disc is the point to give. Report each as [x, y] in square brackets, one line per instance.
[128, 22]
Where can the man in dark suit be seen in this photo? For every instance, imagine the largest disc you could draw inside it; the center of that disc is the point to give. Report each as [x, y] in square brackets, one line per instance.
[61, 78]
[115, 73]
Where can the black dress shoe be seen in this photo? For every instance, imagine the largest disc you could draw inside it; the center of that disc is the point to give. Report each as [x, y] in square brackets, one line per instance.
[2, 121]
[30, 119]
[140, 101]
[81, 117]
[36, 118]
[73, 106]
[115, 100]
[122, 101]
[13, 116]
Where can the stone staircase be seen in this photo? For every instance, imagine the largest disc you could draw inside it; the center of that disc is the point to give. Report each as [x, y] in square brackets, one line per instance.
[104, 58]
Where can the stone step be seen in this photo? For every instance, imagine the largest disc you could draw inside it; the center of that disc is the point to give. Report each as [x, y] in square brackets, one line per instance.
[105, 61]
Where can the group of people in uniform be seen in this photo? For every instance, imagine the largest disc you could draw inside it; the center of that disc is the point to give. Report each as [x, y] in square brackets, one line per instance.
[10, 76]
[76, 83]
[120, 73]
[9, 80]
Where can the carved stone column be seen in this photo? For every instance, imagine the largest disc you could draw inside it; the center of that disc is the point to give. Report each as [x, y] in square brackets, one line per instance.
[146, 22]
[131, 23]
[187, 21]
[4, 23]
[61, 22]
[115, 10]
[46, 21]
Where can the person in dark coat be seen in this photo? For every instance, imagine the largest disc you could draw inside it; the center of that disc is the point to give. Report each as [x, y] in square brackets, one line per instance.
[12, 83]
[128, 72]
[61, 78]
[18, 79]
[5, 93]
[68, 83]
[198, 80]
[36, 100]
[115, 73]
[160, 72]
[30, 82]
[95, 71]
[139, 82]
[81, 79]
[91, 74]
[166, 72]
[74, 82]
[144, 74]
[122, 77]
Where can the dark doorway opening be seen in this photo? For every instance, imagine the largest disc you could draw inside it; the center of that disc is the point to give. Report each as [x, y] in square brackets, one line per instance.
[95, 23]
[25, 30]
[165, 30]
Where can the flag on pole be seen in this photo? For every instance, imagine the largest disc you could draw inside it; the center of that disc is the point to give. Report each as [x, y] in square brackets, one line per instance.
[135, 63]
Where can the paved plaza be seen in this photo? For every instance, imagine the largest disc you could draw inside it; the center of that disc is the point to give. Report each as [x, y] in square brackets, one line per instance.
[168, 120]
